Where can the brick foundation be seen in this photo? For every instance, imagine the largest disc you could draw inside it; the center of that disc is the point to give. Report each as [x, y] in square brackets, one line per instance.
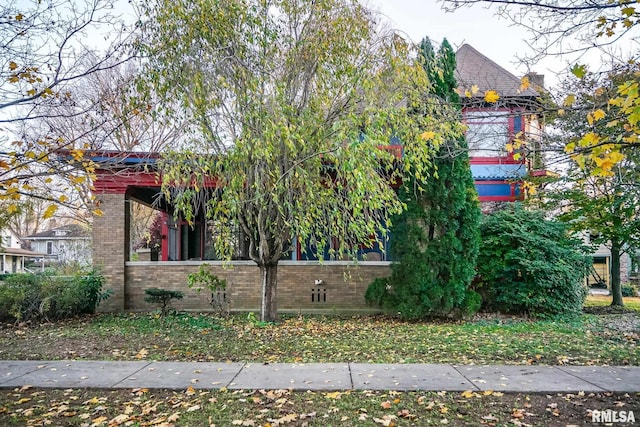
[341, 290]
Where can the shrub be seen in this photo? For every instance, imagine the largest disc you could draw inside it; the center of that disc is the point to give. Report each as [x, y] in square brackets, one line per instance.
[629, 290]
[204, 278]
[531, 265]
[162, 298]
[47, 297]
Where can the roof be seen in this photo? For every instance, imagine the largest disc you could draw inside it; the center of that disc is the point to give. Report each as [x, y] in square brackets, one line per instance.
[70, 231]
[19, 252]
[475, 69]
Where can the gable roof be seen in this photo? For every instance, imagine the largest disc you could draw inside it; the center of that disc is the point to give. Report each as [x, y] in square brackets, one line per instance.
[71, 231]
[475, 69]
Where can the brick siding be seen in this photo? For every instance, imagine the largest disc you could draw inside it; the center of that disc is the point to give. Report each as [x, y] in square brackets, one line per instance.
[341, 291]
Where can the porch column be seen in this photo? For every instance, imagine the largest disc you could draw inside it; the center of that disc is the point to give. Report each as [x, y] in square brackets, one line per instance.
[111, 247]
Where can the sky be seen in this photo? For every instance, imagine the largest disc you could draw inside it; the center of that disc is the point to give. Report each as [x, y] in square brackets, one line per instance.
[495, 37]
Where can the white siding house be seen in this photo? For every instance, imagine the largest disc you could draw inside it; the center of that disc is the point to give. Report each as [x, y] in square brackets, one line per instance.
[66, 244]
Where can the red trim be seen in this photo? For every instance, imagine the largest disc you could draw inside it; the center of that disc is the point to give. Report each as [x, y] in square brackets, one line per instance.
[499, 198]
[495, 160]
[107, 182]
[165, 237]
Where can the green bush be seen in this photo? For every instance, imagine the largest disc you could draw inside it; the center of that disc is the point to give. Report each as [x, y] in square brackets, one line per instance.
[530, 265]
[629, 290]
[162, 298]
[46, 297]
[205, 278]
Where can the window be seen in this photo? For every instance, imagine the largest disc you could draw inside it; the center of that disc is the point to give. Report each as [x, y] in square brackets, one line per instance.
[488, 133]
[49, 248]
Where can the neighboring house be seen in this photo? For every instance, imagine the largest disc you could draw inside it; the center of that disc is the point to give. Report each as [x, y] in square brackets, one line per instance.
[600, 275]
[498, 174]
[65, 244]
[8, 239]
[12, 260]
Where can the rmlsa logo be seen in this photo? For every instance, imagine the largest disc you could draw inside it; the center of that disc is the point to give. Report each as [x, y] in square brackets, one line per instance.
[610, 416]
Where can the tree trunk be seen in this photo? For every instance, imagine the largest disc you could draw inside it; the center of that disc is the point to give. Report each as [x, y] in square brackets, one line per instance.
[269, 306]
[616, 288]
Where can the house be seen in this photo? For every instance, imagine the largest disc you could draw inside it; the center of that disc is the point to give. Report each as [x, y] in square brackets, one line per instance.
[8, 239]
[303, 284]
[493, 126]
[66, 244]
[12, 257]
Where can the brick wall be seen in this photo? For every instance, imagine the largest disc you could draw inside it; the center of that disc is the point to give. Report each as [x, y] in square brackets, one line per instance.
[110, 246]
[341, 291]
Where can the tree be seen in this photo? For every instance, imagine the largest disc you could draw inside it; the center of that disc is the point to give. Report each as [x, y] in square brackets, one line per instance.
[293, 99]
[43, 47]
[435, 241]
[600, 200]
[559, 27]
[107, 113]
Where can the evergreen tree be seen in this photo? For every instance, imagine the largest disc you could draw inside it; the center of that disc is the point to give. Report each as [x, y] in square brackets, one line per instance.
[435, 241]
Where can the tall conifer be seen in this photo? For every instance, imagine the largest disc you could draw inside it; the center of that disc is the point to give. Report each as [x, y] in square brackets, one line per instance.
[435, 242]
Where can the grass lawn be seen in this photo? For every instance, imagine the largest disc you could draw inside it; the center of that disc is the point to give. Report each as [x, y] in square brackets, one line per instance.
[605, 300]
[601, 337]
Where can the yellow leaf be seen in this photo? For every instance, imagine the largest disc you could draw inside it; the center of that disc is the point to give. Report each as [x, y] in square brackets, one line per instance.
[386, 404]
[524, 83]
[598, 114]
[590, 139]
[570, 147]
[509, 148]
[190, 391]
[474, 89]
[142, 353]
[98, 212]
[31, 92]
[77, 154]
[427, 135]
[616, 157]
[491, 96]
[13, 66]
[48, 213]
[467, 394]
[561, 112]
[122, 418]
[334, 395]
[12, 209]
[19, 17]
[468, 93]
[569, 100]
[444, 410]
[63, 198]
[488, 392]
[98, 421]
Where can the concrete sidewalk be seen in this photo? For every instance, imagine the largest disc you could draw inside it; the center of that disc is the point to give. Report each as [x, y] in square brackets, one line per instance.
[318, 376]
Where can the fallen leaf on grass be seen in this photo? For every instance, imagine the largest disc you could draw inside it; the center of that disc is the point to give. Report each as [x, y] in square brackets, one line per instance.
[98, 421]
[142, 353]
[387, 420]
[122, 418]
